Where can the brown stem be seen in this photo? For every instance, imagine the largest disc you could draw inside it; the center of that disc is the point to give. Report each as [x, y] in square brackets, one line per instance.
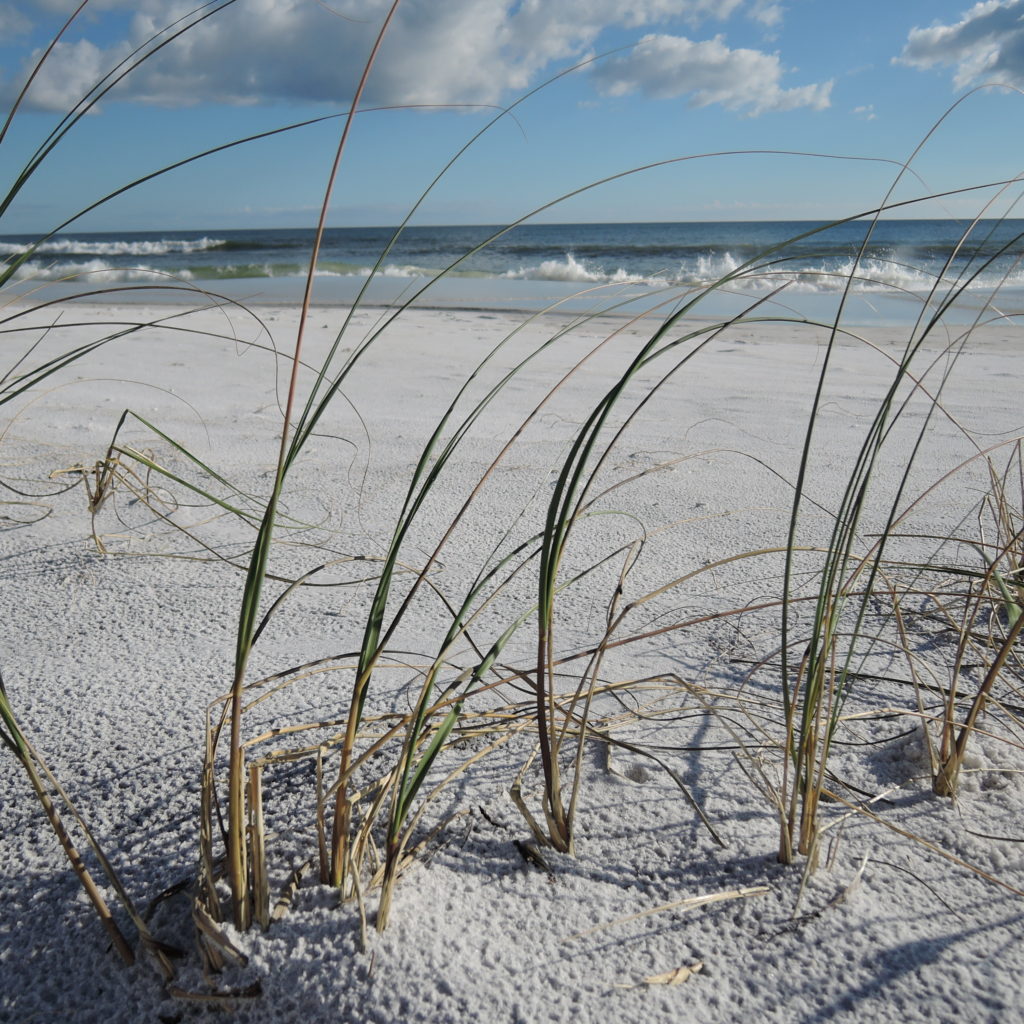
[95, 896]
[944, 783]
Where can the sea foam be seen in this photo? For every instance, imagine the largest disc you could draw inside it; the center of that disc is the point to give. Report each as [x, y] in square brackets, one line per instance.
[83, 247]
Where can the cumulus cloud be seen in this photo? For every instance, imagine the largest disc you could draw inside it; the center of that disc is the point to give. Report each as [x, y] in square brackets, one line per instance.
[456, 51]
[707, 72]
[986, 45]
[82, 64]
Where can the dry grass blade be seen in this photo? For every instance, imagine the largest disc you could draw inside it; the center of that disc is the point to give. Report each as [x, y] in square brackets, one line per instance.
[945, 854]
[673, 775]
[288, 893]
[400, 743]
[688, 903]
[37, 770]
[248, 624]
[78, 866]
[949, 770]
[224, 1000]
[677, 976]
[258, 842]
[213, 936]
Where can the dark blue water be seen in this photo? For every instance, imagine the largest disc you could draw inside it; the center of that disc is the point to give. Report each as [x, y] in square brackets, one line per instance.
[893, 259]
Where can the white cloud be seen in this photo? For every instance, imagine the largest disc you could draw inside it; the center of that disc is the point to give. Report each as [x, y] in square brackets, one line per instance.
[768, 13]
[866, 113]
[82, 64]
[986, 45]
[12, 22]
[455, 51]
[708, 72]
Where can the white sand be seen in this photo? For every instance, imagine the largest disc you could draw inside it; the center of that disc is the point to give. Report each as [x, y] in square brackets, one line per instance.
[110, 661]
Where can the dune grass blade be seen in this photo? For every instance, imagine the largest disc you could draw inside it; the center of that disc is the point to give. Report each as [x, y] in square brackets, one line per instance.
[429, 469]
[412, 770]
[686, 903]
[412, 774]
[102, 86]
[372, 641]
[574, 481]
[16, 742]
[249, 613]
[12, 388]
[817, 688]
[431, 724]
[425, 475]
[260, 883]
[31, 378]
[826, 677]
[17, 381]
[37, 67]
[92, 96]
[949, 770]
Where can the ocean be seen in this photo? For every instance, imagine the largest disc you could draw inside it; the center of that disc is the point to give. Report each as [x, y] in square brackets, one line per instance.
[581, 266]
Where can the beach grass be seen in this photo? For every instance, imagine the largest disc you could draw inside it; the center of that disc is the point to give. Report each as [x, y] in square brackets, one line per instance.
[496, 674]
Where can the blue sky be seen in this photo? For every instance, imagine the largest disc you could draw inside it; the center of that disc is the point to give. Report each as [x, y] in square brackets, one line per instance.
[679, 78]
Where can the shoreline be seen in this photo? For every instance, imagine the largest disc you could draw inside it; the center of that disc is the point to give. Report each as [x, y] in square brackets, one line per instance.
[520, 297]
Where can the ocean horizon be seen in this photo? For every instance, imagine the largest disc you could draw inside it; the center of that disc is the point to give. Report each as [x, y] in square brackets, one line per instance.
[887, 271]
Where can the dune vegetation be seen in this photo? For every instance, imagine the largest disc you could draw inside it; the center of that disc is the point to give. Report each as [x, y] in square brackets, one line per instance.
[534, 609]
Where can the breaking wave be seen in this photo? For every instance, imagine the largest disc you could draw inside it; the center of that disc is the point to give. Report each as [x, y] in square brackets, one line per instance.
[83, 247]
[873, 275]
[95, 271]
[571, 269]
[822, 276]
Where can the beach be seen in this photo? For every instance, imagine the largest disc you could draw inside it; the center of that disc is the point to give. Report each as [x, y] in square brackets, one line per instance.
[122, 620]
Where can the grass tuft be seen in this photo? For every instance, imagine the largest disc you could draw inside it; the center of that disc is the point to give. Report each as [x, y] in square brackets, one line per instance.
[365, 778]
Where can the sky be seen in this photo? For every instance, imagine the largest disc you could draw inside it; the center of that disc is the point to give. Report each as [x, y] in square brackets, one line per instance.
[841, 94]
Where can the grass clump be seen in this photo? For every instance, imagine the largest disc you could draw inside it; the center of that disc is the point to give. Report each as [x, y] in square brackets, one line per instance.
[497, 672]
